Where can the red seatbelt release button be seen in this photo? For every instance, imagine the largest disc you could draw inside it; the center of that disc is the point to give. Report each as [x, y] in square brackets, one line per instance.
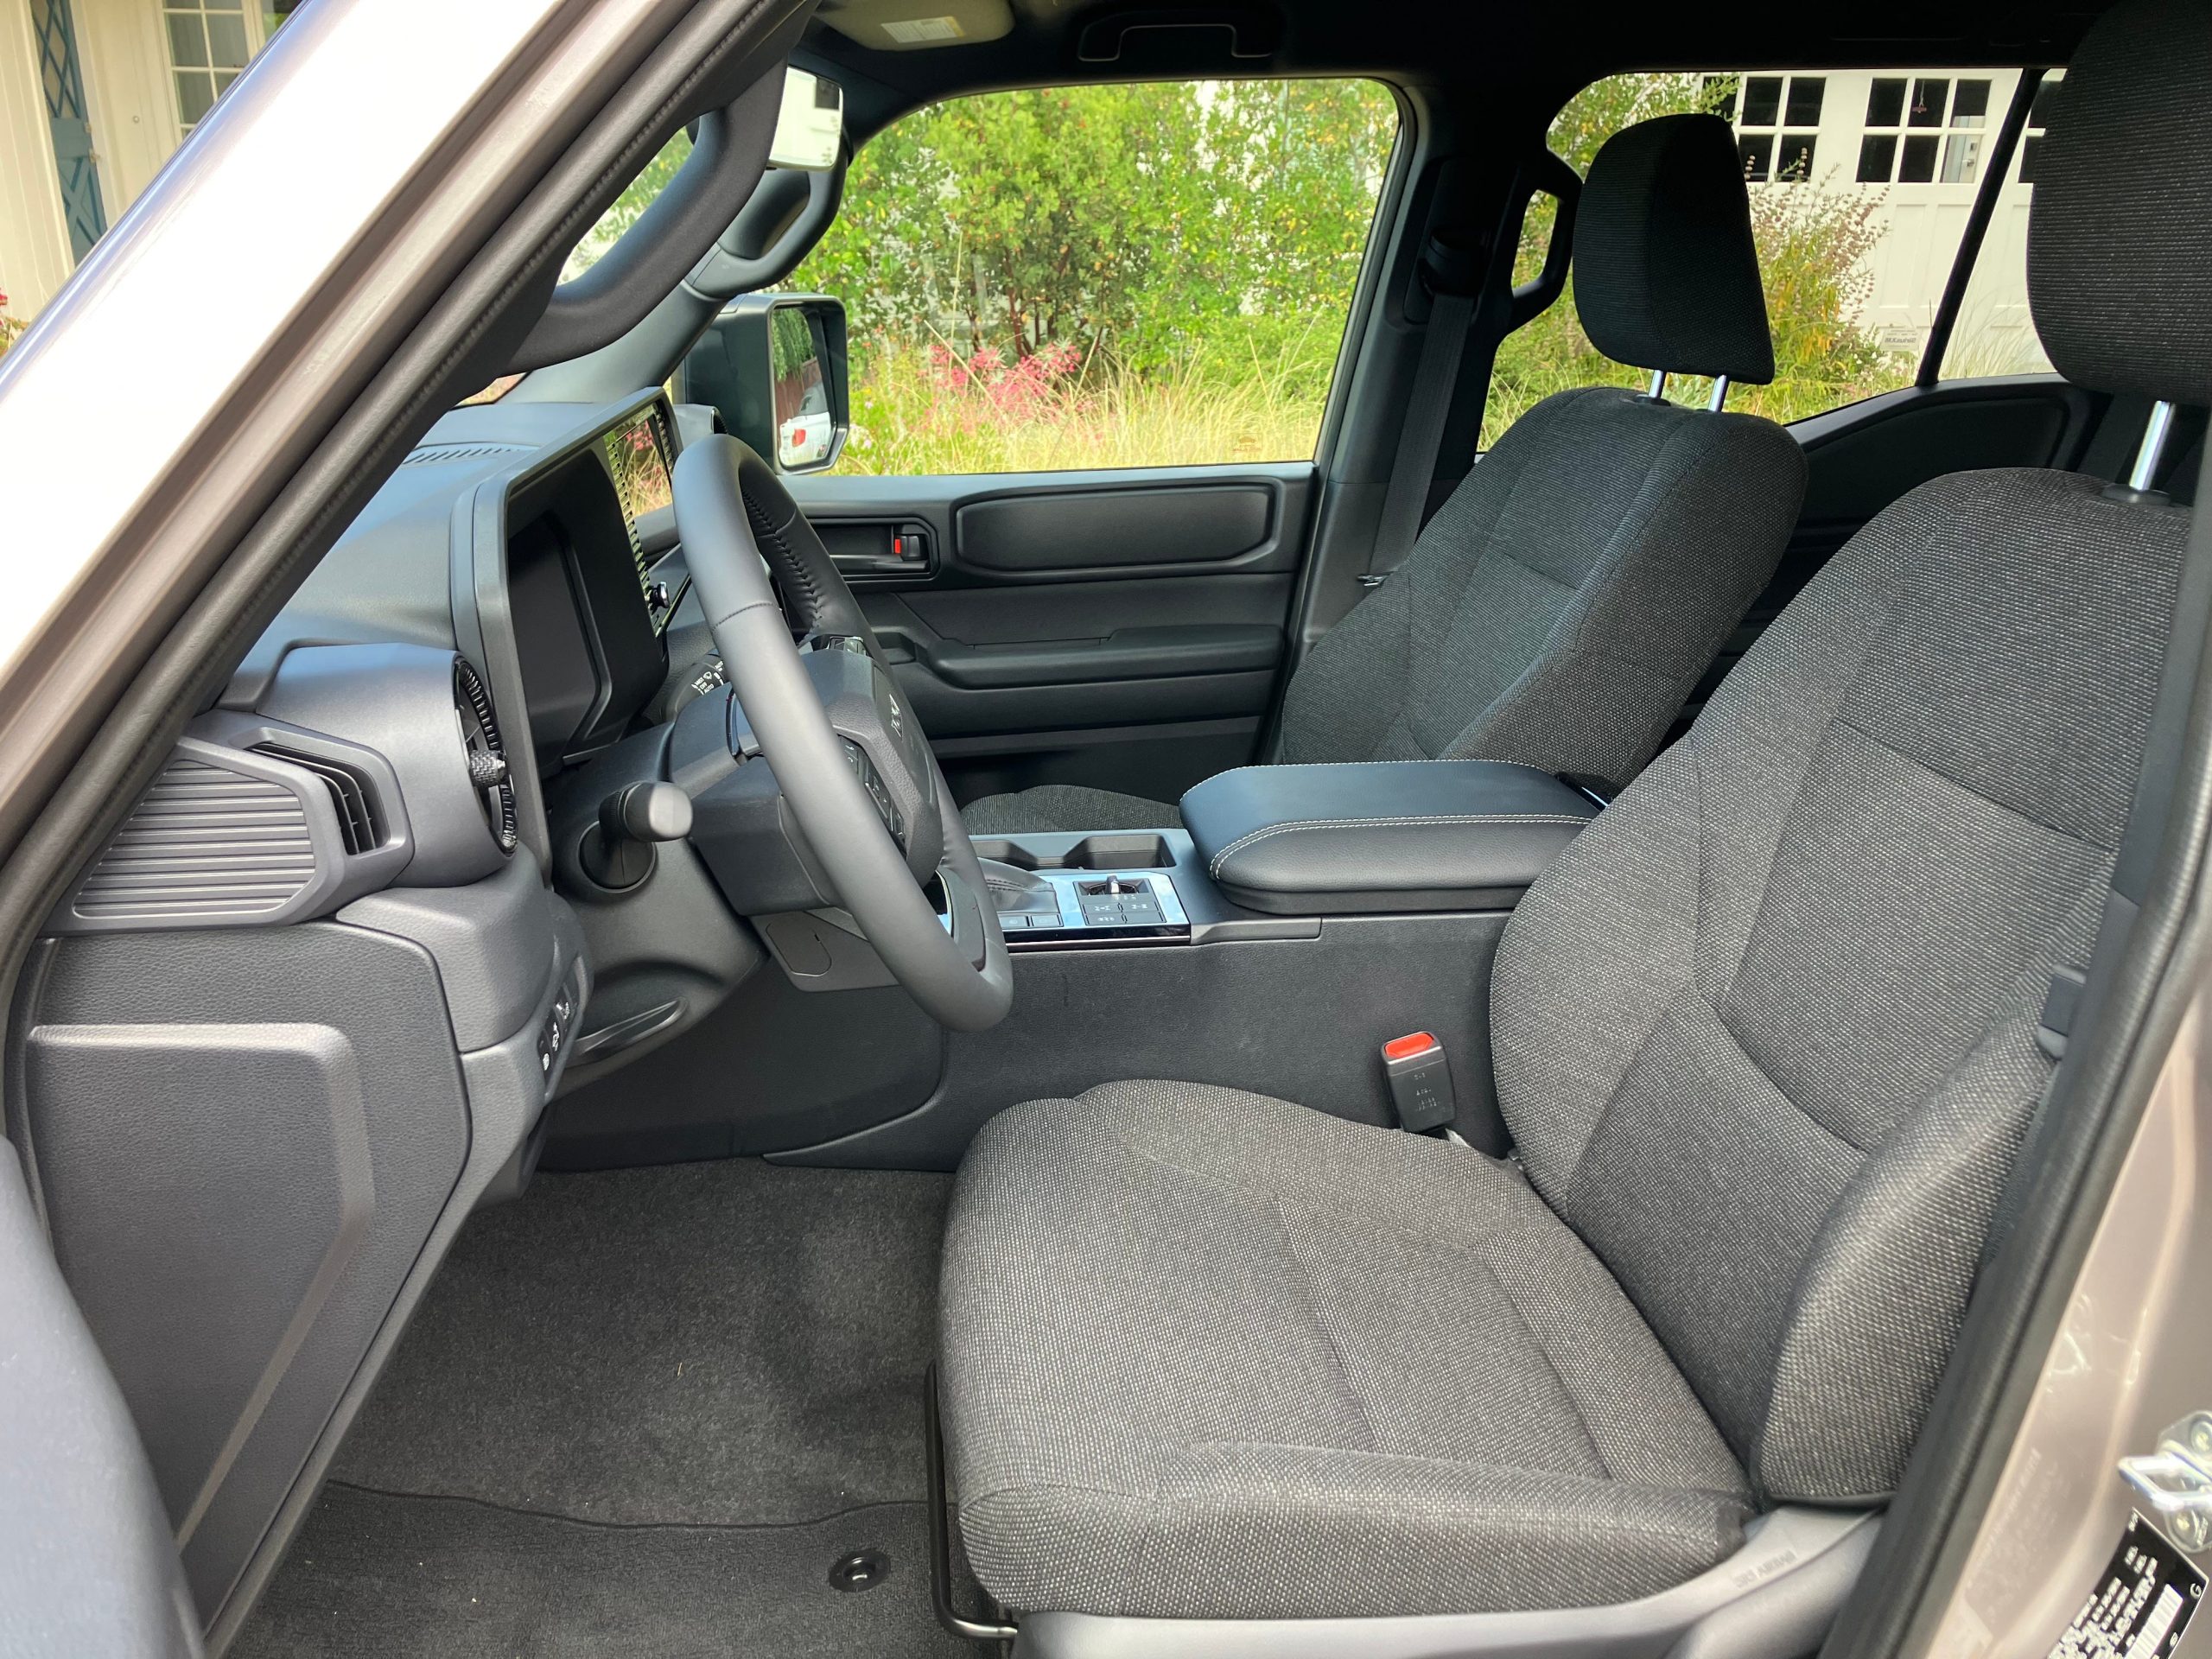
[1420, 1079]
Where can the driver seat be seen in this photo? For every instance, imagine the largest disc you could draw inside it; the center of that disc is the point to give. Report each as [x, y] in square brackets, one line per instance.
[1765, 1035]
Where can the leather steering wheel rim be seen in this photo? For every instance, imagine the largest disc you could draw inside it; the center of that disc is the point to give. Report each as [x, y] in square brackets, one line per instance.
[715, 515]
[817, 597]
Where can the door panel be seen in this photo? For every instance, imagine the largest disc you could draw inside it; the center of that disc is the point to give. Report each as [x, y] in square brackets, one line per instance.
[1069, 530]
[1122, 628]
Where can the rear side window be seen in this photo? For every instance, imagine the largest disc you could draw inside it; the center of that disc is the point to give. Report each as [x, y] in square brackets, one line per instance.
[1995, 334]
[1861, 182]
[1126, 275]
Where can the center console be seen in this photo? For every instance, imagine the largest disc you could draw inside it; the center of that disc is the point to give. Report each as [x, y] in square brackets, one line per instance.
[1305, 841]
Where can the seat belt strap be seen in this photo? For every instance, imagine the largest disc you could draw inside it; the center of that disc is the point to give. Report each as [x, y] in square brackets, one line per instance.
[1422, 436]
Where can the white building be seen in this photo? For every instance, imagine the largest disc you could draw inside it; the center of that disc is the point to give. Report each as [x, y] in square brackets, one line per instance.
[1914, 143]
[94, 97]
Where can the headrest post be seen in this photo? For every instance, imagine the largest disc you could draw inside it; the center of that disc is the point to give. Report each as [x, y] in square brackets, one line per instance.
[1720, 393]
[1658, 392]
[2147, 454]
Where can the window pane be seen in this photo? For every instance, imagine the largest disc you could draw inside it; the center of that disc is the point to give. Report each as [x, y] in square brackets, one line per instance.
[2028, 146]
[1970, 104]
[1805, 94]
[1928, 98]
[628, 208]
[2039, 111]
[1104, 276]
[1855, 257]
[1761, 101]
[188, 41]
[1994, 333]
[196, 94]
[227, 40]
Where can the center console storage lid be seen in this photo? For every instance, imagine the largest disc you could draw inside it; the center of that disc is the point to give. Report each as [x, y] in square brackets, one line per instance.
[1382, 835]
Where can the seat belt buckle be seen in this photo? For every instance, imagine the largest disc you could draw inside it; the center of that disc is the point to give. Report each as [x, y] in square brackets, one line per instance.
[1420, 1079]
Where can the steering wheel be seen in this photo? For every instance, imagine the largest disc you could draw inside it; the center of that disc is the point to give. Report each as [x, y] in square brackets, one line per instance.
[850, 758]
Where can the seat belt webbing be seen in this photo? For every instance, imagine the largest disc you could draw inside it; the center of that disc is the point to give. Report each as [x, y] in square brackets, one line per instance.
[1422, 436]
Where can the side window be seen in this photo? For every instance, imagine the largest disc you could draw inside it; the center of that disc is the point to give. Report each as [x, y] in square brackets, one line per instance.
[1125, 276]
[1861, 182]
[109, 91]
[1993, 333]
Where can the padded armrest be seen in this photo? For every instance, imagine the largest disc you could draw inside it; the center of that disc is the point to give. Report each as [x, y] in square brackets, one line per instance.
[1382, 835]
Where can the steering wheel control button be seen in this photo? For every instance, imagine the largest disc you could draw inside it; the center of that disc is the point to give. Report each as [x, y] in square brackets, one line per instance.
[872, 780]
[1420, 1079]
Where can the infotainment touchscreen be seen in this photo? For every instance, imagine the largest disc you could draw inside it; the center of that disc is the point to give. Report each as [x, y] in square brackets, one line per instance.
[636, 455]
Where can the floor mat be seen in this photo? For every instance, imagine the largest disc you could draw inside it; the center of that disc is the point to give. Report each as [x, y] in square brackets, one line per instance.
[642, 1411]
[375, 1575]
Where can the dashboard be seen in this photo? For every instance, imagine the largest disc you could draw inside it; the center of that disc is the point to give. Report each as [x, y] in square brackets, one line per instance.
[324, 956]
[579, 586]
[523, 538]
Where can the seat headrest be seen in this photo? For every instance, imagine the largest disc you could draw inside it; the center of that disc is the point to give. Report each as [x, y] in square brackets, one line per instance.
[2119, 233]
[1666, 275]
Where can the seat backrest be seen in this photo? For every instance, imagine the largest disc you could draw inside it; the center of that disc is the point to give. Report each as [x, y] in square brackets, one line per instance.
[1766, 1035]
[1561, 605]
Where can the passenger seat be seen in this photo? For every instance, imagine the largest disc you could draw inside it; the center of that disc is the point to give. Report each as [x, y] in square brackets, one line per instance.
[1560, 608]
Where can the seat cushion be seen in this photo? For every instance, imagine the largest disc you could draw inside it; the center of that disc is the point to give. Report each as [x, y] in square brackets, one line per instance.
[1067, 806]
[1207, 1353]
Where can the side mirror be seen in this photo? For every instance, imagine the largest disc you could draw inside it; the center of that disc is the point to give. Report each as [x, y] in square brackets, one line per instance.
[774, 366]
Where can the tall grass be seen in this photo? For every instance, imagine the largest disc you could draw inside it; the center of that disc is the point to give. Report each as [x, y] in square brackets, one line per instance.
[924, 410]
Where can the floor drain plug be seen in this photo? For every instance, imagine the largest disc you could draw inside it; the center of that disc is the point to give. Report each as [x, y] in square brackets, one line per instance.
[861, 1570]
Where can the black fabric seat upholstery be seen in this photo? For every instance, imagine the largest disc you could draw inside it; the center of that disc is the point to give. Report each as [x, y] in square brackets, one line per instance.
[1765, 1037]
[1242, 1359]
[1559, 609]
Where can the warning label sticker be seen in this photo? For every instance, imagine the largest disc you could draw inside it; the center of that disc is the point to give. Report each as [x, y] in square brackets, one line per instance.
[2141, 1605]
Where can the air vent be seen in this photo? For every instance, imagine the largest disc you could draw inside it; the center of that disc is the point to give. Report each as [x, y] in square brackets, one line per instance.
[349, 796]
[203, 842]
[439, 455]
[488, 774]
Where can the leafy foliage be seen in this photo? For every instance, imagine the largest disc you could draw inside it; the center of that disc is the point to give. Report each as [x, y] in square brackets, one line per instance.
[1814, 249]
[1159, 230]
[1156, 274]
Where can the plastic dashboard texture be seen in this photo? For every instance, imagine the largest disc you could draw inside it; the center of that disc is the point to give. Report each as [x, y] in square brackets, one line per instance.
[426, 563]
[630, 664]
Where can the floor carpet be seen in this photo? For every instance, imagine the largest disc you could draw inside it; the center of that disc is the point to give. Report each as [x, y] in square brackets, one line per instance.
[642, 1411]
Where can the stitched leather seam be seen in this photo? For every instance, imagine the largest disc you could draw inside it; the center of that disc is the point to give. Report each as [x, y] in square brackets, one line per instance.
[1411, 761]
[1213, 868]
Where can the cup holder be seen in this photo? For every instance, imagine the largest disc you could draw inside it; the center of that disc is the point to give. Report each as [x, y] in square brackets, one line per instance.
[1143, 849]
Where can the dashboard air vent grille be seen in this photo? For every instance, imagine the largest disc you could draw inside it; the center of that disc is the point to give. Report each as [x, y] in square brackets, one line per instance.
[436, 455]
[349, 796]
[488, 772]
[204, 842]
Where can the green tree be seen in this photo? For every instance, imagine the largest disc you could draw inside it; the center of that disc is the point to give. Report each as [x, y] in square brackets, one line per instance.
[1142, 224]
